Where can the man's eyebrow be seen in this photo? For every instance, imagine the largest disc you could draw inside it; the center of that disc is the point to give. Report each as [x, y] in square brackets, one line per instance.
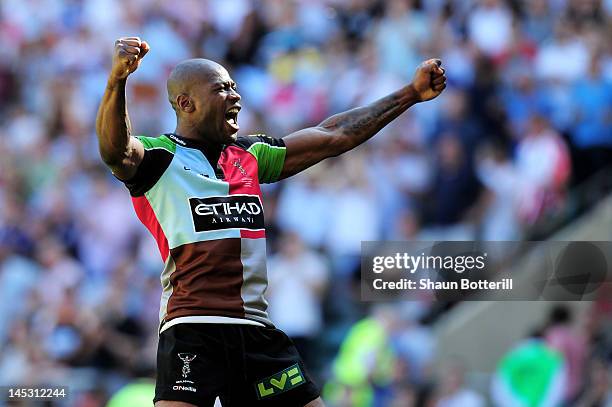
[221, 83]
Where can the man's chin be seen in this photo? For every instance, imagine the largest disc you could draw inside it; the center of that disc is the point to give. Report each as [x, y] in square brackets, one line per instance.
[230, 138]
[231, 133]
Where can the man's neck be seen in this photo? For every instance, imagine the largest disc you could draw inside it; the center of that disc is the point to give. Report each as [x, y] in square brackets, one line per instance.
[211, 150]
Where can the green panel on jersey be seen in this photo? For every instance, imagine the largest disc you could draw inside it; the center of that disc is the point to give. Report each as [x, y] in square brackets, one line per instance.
[270, 161]
[158, 142]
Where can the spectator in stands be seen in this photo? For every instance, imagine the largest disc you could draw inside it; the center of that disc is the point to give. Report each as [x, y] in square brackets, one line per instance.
[497, 172]
[453, 391]
[490, 27]
[562, 335]
[539, 19]
[531, 373]
[565, 57]
[592, 129]
[542, 182]
[598, 391]
[454, 190]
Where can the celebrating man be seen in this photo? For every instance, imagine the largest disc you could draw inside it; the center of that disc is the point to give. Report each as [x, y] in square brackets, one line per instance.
[197, 190]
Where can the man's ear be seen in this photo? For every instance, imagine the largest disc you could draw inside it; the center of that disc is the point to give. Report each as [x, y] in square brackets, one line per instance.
[185, 103]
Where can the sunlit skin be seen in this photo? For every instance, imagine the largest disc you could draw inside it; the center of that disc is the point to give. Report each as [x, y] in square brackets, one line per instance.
[206, 103]
[202, 93]
[205, 100]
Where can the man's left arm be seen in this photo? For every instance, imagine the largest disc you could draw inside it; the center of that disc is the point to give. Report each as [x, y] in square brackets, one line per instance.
[345, 131]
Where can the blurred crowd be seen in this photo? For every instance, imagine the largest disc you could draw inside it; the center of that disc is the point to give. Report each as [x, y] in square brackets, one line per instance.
[386, 360]
[527, 116]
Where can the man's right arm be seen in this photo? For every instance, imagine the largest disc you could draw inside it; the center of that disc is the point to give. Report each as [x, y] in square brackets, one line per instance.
[121, 152]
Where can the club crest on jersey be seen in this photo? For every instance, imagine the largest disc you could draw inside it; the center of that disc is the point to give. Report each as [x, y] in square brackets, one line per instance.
[237, 164]
[238, 211]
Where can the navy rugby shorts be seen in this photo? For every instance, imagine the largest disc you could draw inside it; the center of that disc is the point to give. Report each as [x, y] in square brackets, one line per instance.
[244, 365]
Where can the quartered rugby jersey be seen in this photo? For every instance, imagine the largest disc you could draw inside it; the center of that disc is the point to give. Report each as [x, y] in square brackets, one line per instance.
[208, 221]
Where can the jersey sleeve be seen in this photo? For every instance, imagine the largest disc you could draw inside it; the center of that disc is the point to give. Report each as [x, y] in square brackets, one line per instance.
[158, 155]
[270, 154]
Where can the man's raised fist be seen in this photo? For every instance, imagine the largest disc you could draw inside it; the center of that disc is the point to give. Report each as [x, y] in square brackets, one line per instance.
[429, 79]
[129, 51]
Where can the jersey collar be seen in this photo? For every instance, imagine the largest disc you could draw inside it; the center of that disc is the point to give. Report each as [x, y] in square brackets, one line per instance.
[204, 147]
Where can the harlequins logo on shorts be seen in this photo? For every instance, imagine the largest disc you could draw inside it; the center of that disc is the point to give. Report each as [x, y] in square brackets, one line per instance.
[185, 385]
[281, 382]
[186, 358]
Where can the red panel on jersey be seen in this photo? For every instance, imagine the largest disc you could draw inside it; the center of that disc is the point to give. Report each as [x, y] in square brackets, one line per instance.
[240, 170]
[147, 217]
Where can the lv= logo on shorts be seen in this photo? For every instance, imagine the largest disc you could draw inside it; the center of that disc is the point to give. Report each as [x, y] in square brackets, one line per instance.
[281, 382]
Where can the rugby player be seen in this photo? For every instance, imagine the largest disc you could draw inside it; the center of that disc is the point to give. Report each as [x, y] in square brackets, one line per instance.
[197, 190]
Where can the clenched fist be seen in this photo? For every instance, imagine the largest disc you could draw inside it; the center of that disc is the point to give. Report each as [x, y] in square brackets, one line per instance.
[429, 79]
[129, 51]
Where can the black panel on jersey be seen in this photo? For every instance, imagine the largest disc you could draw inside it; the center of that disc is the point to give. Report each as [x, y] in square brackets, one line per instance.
[247, 141]
[150, 170]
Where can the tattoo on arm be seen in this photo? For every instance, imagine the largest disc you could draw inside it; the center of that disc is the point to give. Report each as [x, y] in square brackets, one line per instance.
[344, 131]
[359, 124]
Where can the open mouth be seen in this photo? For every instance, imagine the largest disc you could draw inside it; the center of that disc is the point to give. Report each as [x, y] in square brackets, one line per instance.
[231, 116]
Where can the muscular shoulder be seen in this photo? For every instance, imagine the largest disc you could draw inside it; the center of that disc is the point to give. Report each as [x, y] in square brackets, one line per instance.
[158, 154]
